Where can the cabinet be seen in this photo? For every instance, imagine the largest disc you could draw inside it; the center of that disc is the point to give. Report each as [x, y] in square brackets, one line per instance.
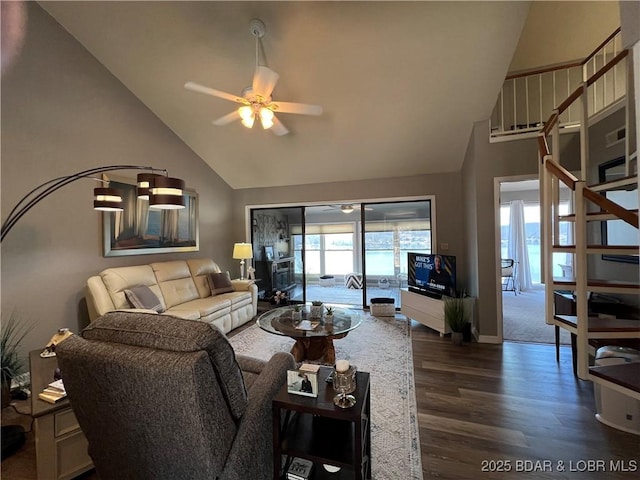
[426, 310]
[61, 447]
[316, 429]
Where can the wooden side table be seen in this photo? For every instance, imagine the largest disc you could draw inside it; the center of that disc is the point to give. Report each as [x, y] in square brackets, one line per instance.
[61, 447]
[317, 430]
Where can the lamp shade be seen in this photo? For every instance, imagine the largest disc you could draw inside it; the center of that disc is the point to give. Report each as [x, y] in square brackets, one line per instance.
[166, 193]
[242, 251]
[145, 182]
[107, 199]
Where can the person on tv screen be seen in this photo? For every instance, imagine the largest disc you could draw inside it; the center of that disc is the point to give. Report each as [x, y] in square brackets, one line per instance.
[439, 275]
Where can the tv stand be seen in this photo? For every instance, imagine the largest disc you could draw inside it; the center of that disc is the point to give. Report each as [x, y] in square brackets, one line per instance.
[426, 310]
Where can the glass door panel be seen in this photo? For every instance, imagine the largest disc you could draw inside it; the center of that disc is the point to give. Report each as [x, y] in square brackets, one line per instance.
[391, 230]
[279, 267]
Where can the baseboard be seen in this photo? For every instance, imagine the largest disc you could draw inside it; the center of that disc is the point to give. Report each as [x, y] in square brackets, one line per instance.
[489, 339]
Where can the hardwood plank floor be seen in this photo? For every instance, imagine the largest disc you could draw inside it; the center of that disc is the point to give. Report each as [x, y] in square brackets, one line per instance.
[510, 405]
[485, 403]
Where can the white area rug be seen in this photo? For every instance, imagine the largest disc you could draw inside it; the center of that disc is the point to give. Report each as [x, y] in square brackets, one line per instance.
[382, 347]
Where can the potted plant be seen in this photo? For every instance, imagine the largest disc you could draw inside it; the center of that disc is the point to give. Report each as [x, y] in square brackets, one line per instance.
[328, 317]
[455, 316]
[297, 312]
[13, 364]
[316, 309]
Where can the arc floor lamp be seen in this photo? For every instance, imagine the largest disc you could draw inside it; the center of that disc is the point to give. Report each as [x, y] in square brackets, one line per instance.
[162, 191]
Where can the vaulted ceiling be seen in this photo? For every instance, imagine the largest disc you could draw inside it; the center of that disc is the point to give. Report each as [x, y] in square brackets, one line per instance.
[401, 83]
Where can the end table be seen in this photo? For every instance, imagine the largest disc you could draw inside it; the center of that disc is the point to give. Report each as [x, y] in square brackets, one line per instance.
[318, 430]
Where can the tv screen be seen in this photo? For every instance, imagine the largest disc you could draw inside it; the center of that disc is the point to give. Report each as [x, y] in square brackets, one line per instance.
[432, 274]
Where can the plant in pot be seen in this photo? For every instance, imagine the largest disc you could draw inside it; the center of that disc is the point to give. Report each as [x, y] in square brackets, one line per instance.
[11, 336]
[328, 317]
[456, 317]
[316, 309]
[297, 312]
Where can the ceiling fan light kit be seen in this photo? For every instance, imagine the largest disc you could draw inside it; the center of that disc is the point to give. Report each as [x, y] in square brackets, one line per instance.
[256, 100]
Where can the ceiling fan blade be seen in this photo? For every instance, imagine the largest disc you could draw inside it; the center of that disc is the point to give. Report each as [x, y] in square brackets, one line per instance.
[290, 107]
[227, 119]
[194, 87]
[278, 128]
[264, 81]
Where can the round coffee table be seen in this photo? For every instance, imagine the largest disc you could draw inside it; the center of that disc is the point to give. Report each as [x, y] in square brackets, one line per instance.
[314, 336]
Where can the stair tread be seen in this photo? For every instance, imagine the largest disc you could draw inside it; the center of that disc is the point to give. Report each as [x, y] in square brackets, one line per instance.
[603, 247]
[625, 374]
[628, 180]
[572, 216]
[592, 282]
[597, 324]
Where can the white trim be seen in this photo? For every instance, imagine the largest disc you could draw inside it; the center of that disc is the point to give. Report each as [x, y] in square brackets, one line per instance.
[489, 339]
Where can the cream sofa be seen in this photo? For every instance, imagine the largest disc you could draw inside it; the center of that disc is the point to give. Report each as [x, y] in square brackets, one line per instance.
[182, 288]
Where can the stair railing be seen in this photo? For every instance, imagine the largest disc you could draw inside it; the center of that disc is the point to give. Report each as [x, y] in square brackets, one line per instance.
[551, 174]
[526, 98]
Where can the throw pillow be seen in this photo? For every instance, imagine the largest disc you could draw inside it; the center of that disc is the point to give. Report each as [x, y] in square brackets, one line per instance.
[142, 297]
[219, 283]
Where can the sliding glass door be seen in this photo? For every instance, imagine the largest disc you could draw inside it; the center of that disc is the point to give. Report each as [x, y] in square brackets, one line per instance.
[339, 254]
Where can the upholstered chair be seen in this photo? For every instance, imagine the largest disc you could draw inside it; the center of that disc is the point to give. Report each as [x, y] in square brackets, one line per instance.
[160, 397]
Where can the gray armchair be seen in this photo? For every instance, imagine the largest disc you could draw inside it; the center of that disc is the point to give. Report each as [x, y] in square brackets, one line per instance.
[160, 397]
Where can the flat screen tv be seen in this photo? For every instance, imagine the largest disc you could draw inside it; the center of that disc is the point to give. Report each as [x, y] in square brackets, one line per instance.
[433, 275]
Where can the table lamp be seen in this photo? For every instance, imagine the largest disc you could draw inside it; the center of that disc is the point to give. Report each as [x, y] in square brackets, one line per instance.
[242, 252]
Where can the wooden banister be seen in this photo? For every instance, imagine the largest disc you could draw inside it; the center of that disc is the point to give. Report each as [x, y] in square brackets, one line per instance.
[564, 175]
[570, 99]
[540, 71]
[548, 125]
[612, 63]
[543, 147]
[604, 203]
[597, 49]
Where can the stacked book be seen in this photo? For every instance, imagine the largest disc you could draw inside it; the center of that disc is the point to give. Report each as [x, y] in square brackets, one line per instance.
[53, 393]
[300, 469]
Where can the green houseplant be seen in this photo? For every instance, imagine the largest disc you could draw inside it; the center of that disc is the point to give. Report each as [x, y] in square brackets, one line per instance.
[12, 334]
[455, 316]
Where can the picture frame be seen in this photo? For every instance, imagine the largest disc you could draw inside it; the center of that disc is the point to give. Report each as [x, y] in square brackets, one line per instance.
[302, 382]
[268, 253]
[139, 230]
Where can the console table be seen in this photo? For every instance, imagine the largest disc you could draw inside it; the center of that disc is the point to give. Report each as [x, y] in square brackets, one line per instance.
[316, 429]
[61, 447]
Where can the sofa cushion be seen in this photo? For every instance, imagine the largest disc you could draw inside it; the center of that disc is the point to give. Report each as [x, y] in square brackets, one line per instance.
[164, 332]
[117, 280]
[142, 297]
[204, 306]
[220, 283]
[200, 269]
[175, 281]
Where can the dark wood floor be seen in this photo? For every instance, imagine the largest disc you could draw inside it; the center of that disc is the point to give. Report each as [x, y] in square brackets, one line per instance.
[510, 406]
[486, 405]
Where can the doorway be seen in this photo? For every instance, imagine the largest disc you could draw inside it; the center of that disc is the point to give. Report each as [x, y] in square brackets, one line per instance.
[523, 297]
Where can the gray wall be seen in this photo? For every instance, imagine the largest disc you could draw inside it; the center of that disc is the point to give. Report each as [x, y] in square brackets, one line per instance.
[485, 161]
[446, 188]
[63, 112]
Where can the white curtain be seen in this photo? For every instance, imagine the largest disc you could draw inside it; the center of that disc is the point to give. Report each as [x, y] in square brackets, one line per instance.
[517, 246]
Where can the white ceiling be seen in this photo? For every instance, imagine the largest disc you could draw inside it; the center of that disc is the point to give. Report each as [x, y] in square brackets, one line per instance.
[401, 83]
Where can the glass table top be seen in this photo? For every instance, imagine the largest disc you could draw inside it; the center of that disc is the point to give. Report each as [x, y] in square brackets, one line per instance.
[280, 321]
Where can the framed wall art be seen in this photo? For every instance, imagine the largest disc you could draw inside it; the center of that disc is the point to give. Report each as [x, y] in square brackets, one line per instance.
[139, 230]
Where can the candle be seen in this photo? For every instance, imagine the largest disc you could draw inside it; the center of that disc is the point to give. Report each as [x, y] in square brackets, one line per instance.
[342, 365]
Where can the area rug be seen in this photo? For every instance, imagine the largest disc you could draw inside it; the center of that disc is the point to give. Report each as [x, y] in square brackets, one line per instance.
[382, 347]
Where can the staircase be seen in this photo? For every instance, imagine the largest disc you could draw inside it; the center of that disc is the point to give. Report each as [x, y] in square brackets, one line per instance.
[591, 206]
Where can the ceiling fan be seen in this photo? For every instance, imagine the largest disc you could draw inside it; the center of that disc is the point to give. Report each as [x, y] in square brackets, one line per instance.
[256, 100]
[347, 207]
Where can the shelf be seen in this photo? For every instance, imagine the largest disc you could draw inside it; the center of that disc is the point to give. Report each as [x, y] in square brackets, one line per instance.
[320, 439]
